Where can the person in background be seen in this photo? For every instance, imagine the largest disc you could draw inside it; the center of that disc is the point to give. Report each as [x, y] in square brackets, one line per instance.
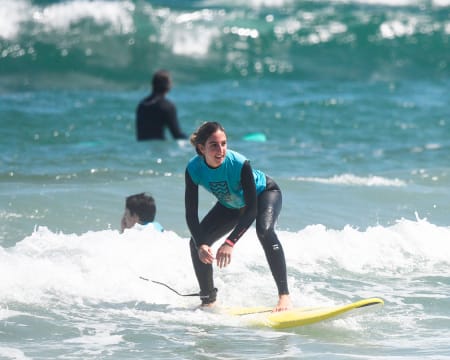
[155, 112]
[244, 194]
[139, 209]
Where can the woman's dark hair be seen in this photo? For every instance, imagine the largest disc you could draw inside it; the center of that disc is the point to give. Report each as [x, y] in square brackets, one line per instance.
[202, 134]
[142, 205]
[161, 82]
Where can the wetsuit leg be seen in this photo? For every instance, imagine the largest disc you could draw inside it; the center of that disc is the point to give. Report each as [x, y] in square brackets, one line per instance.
[218, 222]
[269, 207]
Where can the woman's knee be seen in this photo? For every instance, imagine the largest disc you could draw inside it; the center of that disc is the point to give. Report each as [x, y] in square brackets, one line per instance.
[265, 233]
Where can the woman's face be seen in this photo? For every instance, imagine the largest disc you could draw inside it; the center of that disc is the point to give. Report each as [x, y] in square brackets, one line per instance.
[215, 149]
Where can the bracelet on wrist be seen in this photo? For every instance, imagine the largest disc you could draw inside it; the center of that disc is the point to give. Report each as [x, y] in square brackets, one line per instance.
[229, 242]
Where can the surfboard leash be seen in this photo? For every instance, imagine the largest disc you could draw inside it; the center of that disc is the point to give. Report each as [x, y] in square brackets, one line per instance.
[172, 289]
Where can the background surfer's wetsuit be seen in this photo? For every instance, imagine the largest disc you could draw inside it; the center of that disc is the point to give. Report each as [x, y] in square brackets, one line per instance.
[153, 114]
[220, 220]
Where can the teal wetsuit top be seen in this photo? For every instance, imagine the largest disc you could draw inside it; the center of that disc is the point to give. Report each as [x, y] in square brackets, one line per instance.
[156, 225]
[224, 182]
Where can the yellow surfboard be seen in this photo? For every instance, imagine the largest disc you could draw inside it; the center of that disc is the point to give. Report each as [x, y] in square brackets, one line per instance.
[263, 316]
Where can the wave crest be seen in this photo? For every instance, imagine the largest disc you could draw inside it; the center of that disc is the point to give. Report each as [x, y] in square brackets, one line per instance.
[350, 179]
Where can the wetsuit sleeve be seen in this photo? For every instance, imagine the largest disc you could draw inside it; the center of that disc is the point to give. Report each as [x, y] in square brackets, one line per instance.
[250, 210]
[174, 126]
[191, 208]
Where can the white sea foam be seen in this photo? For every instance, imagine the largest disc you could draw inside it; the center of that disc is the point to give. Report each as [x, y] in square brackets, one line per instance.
[60, 16]
[189, 34]
[6, 313]
[282, 3]
[90, 283]
[381, 2]
[393, 3]
[105, 266]
[250, 3]
[12, 353]
[350, 179]
[12, 14]
[194, 43]
[441, 3]
[406, 247]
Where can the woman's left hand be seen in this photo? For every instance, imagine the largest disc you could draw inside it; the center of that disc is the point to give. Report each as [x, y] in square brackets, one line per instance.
[223, 255]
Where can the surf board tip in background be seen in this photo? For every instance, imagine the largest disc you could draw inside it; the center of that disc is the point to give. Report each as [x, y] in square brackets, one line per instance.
[263, 316]
[256, 136]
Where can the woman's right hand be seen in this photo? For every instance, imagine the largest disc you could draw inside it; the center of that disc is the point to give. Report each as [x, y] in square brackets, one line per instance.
[205, 254]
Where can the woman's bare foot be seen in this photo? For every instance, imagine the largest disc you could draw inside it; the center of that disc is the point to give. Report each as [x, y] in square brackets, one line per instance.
[213, 307]
[209, 305]
[284, 303]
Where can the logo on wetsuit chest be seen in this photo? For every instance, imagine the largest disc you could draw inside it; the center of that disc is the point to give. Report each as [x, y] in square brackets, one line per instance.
[220, 190]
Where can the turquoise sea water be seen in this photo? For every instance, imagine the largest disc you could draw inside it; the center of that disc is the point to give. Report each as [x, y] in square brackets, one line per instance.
[352, 98]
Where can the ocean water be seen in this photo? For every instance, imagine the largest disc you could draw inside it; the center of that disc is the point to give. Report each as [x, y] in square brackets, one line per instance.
[353, 100]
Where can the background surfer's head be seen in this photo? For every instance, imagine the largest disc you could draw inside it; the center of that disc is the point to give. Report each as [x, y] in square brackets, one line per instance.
[139, 208]
[161, 82]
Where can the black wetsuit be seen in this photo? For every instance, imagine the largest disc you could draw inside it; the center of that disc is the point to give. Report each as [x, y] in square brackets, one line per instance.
[220, 220]
[153, 115]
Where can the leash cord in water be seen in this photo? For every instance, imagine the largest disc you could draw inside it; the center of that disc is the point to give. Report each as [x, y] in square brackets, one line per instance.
[172, 289]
